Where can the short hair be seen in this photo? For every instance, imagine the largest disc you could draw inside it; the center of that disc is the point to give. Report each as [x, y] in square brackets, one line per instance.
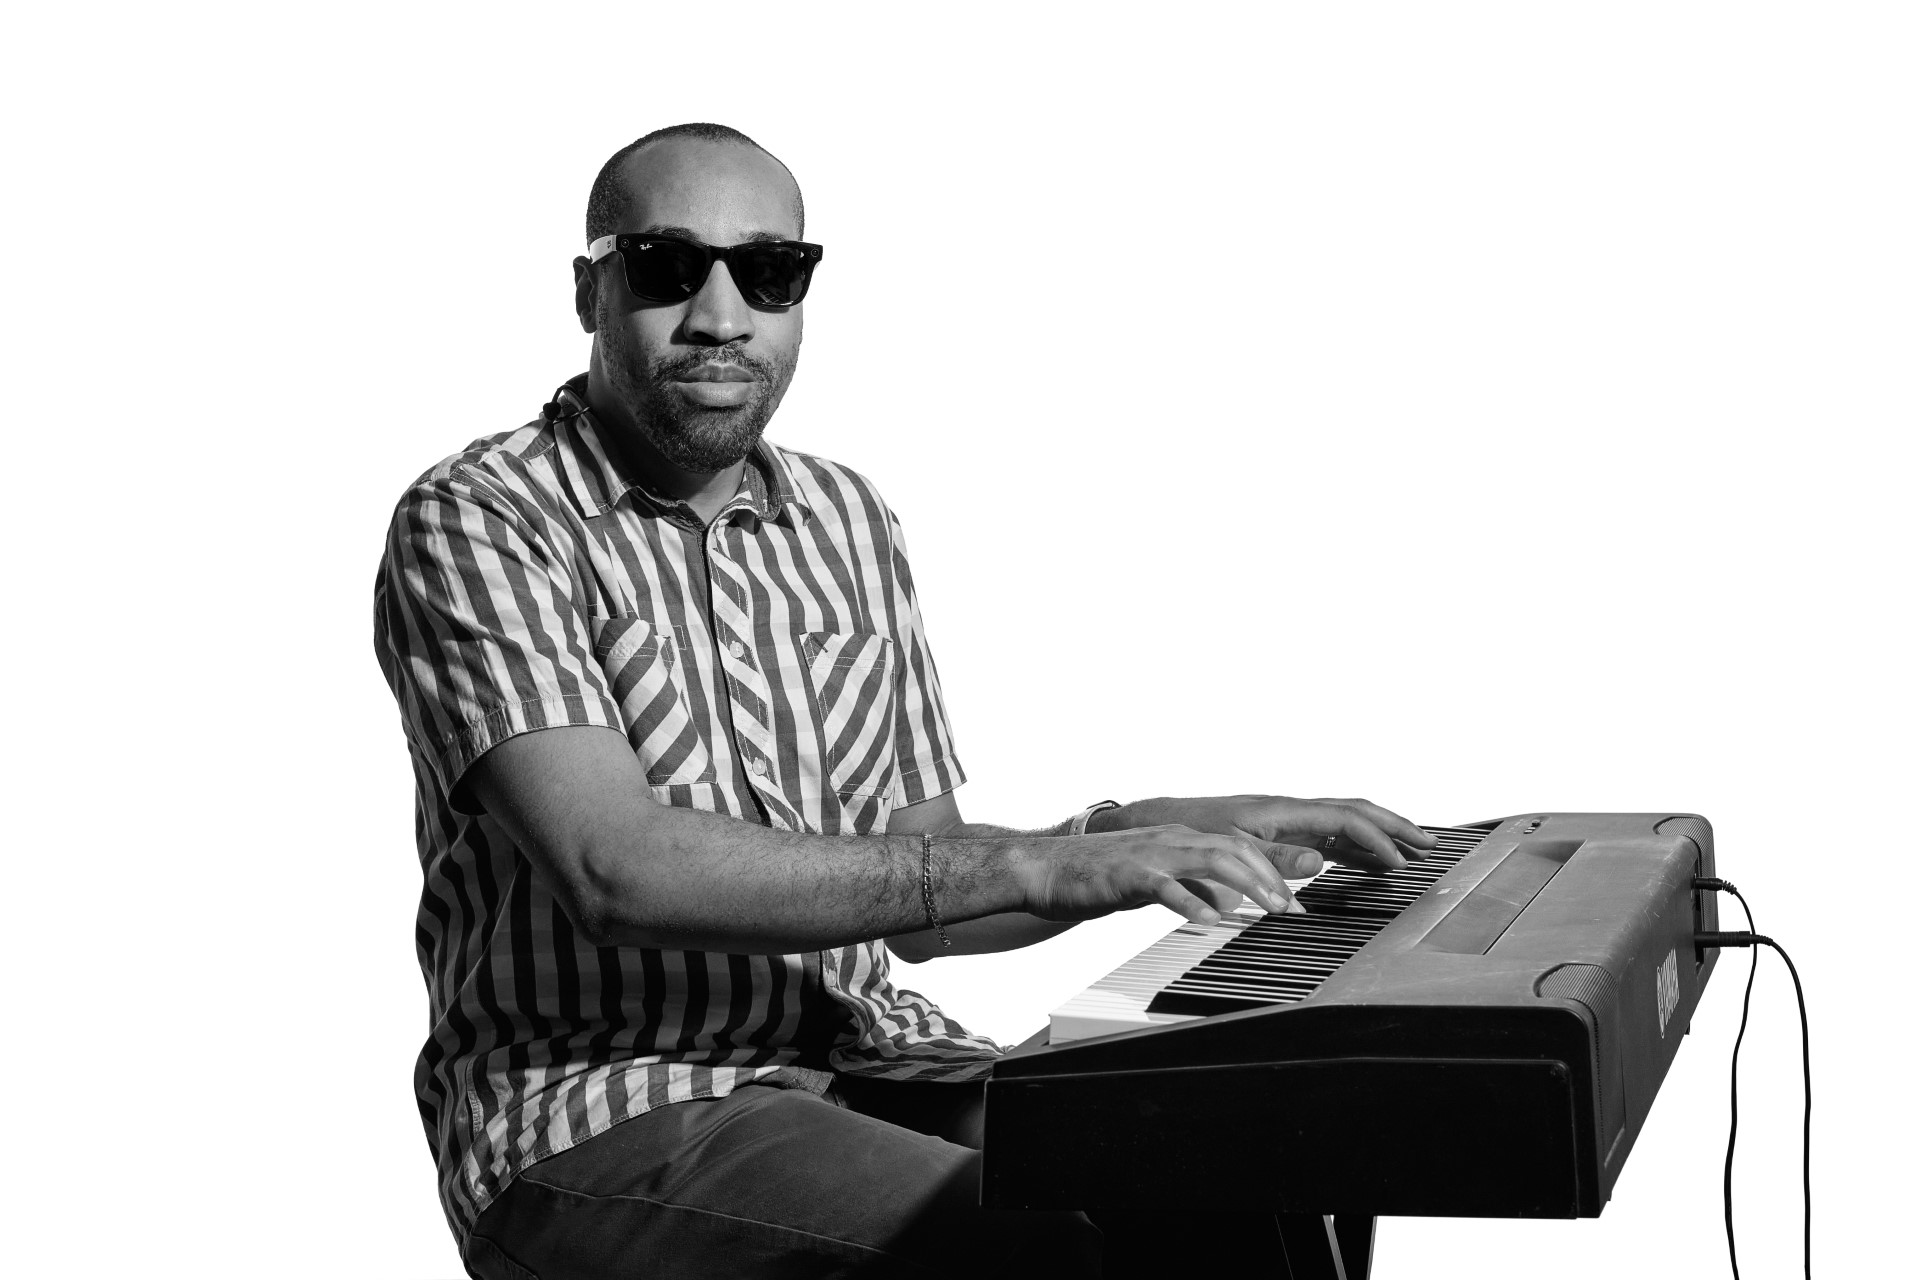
[608, 199]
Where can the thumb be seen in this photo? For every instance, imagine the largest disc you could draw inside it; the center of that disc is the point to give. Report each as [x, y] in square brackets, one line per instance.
[1294, 862]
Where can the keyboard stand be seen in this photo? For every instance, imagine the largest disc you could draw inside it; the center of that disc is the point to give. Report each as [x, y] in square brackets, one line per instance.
[1326, 1248]
[1312, 1246]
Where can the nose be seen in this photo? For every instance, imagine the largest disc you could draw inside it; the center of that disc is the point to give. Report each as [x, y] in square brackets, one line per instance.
[718, 314]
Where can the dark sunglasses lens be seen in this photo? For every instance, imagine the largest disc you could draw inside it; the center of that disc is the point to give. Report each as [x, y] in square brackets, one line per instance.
[771, 275]
[664, 270]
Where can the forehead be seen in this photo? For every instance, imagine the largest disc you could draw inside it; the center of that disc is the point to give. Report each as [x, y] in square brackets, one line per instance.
[726, 192]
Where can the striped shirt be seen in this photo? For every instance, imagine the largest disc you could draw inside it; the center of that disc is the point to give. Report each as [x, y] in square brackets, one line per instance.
[770, 667]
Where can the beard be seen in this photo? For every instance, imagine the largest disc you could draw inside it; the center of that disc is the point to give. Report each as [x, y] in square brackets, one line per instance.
[690, 436]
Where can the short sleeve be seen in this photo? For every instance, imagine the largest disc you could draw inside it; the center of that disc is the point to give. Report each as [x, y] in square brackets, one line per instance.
[480, 626]
[923, 740]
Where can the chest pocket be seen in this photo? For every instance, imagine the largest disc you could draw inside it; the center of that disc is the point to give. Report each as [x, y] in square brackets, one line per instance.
[642, 664]
[850, 680]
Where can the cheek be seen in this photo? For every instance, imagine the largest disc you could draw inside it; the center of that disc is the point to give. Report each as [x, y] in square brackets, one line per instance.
[782, 336]
[639, 337]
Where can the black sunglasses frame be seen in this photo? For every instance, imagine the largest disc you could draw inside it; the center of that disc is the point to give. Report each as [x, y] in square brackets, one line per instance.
[740, 259]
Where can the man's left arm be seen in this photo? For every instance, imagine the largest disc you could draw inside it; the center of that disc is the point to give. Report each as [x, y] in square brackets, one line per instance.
[1294, 834]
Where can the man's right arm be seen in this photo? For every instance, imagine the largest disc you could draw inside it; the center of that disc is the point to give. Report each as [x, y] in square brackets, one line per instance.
[630, 871]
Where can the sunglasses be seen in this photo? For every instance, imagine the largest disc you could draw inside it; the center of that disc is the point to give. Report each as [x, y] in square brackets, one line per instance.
[768, 273]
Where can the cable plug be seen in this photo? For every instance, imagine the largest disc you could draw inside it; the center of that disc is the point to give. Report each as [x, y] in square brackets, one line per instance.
[1714, 883]
[1732, 940]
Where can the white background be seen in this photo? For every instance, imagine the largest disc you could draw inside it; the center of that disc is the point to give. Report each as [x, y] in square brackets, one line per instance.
[1478, 407]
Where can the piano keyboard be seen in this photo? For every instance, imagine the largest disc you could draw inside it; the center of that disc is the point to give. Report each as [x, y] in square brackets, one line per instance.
[1251, 958]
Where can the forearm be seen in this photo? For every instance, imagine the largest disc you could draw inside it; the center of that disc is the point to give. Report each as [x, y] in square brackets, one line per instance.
[988, 831]
[701, 881]
[629, 871]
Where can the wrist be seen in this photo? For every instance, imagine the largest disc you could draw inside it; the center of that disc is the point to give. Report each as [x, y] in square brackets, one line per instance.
[973, 878]
[1020, 869]
[926, 891]
[1077, 825]
[1118, 818]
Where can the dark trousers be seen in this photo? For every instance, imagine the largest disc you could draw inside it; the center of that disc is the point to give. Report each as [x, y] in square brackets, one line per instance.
[875, 1178]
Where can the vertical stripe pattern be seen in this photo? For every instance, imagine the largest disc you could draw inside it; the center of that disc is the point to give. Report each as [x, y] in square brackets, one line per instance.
[770, 667]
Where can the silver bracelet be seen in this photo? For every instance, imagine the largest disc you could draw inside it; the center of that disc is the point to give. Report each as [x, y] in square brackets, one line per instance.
[1078, 827]
[926, 889]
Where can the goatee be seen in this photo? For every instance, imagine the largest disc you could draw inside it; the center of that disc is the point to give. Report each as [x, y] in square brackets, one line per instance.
[694, 437]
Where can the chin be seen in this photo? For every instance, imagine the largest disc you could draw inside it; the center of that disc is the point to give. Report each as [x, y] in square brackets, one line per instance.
[709, 447]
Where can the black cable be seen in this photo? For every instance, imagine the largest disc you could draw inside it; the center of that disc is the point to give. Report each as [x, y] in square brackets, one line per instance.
[1752, 939]
[1733, 1110]
[1806, 1123]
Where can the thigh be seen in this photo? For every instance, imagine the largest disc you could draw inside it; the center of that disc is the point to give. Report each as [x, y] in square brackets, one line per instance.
[766, 1182]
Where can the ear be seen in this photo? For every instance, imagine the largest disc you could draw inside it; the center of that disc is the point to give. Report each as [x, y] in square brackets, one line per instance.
[584, 293]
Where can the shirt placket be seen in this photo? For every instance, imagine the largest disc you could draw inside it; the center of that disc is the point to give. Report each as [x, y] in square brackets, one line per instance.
[749, 697]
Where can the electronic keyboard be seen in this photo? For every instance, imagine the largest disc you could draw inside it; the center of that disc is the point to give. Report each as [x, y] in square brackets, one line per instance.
[1479, 1034]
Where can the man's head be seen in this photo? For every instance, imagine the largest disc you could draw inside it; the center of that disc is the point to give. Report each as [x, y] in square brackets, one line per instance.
[698, 380]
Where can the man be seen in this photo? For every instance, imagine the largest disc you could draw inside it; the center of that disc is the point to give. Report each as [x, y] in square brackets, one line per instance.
[684, 780]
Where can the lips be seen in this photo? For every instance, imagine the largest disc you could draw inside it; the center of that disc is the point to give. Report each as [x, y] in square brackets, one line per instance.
[717, 373]
[717, 385]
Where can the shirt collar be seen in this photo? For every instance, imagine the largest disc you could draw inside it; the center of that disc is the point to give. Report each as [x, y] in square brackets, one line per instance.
[597, 480]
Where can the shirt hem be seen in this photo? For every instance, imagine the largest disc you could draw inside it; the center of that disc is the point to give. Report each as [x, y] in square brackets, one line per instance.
[945, 773]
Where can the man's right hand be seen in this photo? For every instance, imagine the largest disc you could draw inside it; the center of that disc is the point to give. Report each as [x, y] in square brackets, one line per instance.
[1194, 873]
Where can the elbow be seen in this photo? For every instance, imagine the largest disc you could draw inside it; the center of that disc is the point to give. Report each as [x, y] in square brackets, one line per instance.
[594, 904]
[609, 907]
[594, 926]
[599, 922]
[908, 947]
[594, 920]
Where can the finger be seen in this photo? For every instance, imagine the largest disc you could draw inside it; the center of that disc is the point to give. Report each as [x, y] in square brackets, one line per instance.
[1222, 898]
[1169, 893]
[1294, 862]
[1242, 864]
[1405, 833]
[1401, 831]
[1277, 897]
[1347, 836]
[1234, 861]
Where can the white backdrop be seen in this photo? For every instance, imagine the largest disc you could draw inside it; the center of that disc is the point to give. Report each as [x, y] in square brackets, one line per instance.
[1481, 408]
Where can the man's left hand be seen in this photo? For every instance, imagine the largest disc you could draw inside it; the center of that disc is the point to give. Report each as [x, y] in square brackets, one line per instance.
[1295, 833]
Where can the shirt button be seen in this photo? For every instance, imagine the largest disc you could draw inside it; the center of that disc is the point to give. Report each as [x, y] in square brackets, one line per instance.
[757, 767]
[737, 649]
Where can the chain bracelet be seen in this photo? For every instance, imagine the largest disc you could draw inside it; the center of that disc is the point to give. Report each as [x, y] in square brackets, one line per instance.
[926, 889]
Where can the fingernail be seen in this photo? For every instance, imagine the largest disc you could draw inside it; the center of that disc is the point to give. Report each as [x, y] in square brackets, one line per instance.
[1295, 909]
[1310, 864]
